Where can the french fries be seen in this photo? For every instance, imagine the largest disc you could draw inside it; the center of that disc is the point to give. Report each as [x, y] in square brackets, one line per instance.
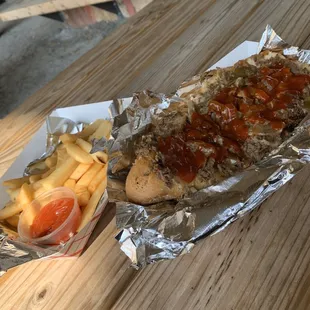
[78, 154]
[90, 129]
[67, 138]
[79, 171]
[39, 192]
[13, 220]
[10, 209]
[99, 157]
[15, 183]
[62, 155]
[34, 178]
[48, 172]
[59, 176]
[13, 193]
[25, 195]
[37, 185]
[104, 130]
[71, 166]
[91, 206]
[84, 145]
[89, 175]
[60, 147]
[83, 195]
[70, 183]
[101, 176]
[51, 161]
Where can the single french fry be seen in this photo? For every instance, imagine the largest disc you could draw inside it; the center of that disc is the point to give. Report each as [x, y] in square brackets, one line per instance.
[13, 193]
[13, 220]
[37, 185]
[34, 178]
[89, 175]
[48, 172]
[60, 147]
[92, 205]
[78, 154]
[70, 183]
[67, 138]
[90, 129]
[10, 232]
[38, 192]
[54, 155]
[84, 145]
[25, 195]
[15, 183]
[99, 177]
[104, 130]
[79, 171]
[60, 175]
[99, 157]
[83, 198]
[51, 161]
[10, 209]
[62, 155]
[83, 195]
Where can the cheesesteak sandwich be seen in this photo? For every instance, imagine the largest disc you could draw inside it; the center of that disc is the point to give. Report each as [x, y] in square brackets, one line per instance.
[231, 120]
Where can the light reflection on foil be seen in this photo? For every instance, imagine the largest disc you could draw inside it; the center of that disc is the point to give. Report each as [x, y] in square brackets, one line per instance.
[271, 41]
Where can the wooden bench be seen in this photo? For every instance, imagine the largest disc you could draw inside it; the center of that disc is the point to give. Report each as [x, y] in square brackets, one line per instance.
[95, 10]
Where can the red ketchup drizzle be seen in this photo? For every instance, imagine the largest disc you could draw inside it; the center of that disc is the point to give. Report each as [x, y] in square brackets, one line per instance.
[233, 114]
[180, 159]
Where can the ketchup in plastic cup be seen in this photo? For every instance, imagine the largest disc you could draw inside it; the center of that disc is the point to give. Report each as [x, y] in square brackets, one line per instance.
[50, 219]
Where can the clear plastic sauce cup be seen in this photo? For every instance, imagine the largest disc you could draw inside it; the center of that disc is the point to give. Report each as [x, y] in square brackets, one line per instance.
[50, 219]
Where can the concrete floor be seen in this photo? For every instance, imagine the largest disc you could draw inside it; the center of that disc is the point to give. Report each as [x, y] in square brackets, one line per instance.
[33, 51]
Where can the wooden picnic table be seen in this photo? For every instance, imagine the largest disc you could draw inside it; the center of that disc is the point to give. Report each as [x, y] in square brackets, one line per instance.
[259, 262]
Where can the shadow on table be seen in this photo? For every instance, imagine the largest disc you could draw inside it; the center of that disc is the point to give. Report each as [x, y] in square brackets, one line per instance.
[105, 219]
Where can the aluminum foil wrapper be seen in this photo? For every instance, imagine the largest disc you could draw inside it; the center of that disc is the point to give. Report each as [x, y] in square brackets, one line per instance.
[271, 41]
[55, 127]
[166, 230]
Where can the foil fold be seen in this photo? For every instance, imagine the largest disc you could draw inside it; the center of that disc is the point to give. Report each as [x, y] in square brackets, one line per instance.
[55, 127]
[271, 41]
[152, 233]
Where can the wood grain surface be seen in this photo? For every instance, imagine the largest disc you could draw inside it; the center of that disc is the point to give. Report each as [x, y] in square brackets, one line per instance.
[13, 10]
[259, 262]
